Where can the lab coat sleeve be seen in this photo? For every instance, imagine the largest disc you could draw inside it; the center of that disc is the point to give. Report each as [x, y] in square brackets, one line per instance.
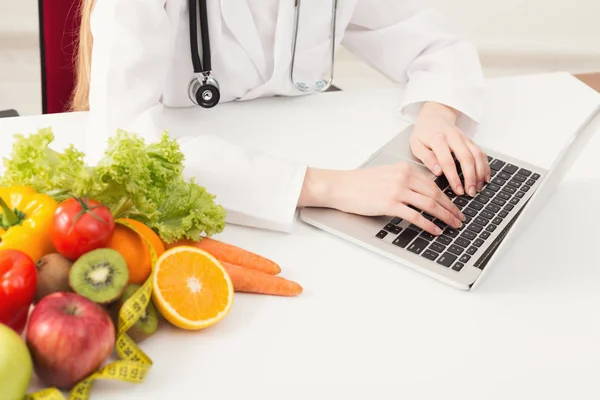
[132, 45]
[410, 44]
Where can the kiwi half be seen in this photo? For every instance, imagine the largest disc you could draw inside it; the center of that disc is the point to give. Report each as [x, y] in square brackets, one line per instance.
[52, 275]
[100, 275]
[146, 326]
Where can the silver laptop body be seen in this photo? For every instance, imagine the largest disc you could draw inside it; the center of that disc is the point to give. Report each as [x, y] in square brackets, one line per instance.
[462, 257]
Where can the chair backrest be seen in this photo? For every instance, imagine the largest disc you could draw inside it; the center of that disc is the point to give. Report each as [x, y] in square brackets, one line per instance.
[59, 24]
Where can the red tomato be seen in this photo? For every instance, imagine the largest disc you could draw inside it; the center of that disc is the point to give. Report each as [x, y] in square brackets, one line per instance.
[80, 226]
[18, 281]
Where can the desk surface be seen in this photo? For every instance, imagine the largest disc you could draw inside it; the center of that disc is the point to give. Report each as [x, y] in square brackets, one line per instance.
[367, 328]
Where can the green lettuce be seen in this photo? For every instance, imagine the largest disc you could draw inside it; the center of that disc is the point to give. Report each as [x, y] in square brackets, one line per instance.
[134, 179]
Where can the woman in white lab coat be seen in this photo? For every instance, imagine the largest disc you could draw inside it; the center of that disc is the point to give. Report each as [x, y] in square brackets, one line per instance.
[135, 57]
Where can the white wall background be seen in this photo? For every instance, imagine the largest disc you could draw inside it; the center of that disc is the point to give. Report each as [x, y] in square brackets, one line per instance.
[538, 26]
[19, 16]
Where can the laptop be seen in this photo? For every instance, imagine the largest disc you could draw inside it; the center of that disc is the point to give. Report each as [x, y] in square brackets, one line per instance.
[494, 218]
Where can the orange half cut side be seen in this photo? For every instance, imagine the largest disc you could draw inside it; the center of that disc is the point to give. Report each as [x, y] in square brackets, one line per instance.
[191, 289]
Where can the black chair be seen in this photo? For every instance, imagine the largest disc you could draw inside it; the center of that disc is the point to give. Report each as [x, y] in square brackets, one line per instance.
[8, 113]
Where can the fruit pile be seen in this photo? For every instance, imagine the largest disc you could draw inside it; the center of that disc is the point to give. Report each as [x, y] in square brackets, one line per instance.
[72, 277]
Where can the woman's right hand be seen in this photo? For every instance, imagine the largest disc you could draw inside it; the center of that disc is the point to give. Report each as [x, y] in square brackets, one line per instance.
[382, 190]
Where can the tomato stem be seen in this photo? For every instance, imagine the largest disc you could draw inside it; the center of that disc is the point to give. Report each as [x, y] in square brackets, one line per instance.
[9, 217]
[86, 209]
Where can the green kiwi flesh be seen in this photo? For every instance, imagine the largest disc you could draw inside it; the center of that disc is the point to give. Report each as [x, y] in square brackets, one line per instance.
[100, 275]
[146, 326]
[52, 275]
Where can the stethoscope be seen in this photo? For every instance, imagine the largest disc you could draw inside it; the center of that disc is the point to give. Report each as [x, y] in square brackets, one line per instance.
[203, 89]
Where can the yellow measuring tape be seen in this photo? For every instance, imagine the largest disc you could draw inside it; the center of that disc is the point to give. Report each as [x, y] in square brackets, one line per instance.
[134, 364]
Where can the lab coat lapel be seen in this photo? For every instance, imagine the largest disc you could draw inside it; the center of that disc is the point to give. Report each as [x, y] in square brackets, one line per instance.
[239, 20]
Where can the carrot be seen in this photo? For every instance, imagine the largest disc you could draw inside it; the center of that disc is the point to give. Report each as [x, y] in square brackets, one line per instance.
[252, 281]
[233, 255]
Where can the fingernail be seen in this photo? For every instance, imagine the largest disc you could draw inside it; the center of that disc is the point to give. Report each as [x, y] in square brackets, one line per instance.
[437, 169]
[438, 231]
[479, 186]
[488, 179]
[472, 191]
[459, 190]
[462, 216]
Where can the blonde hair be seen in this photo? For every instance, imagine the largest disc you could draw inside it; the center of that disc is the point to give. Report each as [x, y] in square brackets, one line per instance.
[83, 60]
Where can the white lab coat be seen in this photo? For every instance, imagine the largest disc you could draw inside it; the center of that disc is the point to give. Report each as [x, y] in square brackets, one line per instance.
[141, 61]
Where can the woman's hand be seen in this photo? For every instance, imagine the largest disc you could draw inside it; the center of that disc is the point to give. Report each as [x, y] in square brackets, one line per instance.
[433, 140]
[382, 190]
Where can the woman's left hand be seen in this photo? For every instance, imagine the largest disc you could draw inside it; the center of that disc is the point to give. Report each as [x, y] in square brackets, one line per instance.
[433, 140]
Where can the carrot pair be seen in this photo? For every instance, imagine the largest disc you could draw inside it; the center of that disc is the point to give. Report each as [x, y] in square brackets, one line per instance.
[249, 272]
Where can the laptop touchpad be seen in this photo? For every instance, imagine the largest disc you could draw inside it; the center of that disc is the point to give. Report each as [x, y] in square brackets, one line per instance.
[386, 158]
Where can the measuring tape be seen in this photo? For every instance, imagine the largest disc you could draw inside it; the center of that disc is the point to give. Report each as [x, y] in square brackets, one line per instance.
[134, 364]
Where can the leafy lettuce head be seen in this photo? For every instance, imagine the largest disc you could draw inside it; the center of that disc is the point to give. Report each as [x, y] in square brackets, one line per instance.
[135, 179]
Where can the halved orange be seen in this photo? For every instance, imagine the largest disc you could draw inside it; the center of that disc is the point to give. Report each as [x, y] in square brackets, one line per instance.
[191, 289]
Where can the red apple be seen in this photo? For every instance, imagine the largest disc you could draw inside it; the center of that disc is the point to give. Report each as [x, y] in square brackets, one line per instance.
[69, 338]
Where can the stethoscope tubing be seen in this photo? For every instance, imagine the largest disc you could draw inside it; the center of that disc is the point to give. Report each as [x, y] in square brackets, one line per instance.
[320, 88]
[204, 34]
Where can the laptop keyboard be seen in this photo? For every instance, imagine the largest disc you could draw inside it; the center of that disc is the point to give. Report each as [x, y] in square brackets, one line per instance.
[454, 248]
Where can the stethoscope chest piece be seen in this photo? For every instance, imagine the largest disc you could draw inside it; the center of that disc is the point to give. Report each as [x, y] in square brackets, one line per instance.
[204, 91]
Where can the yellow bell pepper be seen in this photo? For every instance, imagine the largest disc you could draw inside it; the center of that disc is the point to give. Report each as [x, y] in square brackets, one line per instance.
[26, 221]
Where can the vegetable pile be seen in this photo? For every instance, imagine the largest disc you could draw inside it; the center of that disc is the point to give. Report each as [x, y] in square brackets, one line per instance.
[135, 180]
[77, 243]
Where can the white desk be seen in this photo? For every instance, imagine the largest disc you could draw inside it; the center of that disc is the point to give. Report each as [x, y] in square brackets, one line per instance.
[368, 329]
